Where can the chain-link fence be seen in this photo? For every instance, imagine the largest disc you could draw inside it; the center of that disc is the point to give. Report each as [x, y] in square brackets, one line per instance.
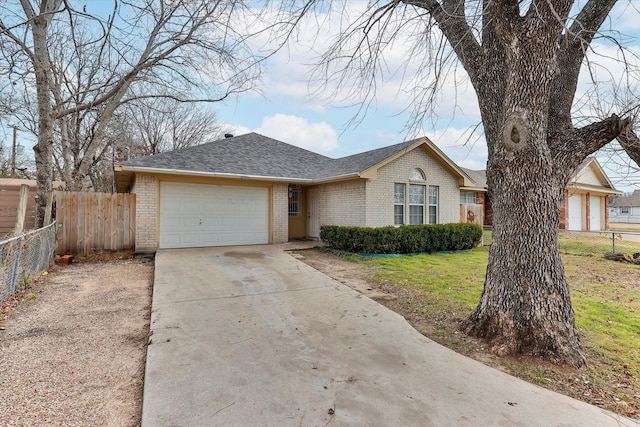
[598, 242]
[590, 242]
[23, 256]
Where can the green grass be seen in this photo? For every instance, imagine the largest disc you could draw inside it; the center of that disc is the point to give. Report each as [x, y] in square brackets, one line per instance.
[579, 243]
[443, 287]
[605, 295]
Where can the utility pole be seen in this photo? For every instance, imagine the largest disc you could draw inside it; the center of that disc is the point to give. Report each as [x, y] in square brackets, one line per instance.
[13, 152]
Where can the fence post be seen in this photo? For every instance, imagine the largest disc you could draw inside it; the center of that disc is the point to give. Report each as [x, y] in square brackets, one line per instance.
[16, 266]
[614, 241]
[22, 209]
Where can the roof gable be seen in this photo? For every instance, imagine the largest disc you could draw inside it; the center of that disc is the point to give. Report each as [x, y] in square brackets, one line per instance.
[589, 175]
[386, 155]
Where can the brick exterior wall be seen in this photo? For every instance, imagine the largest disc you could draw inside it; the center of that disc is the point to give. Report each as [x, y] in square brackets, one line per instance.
[279, 213]
[343, 203]
[606, 212]
[146, 189]
[379, 194]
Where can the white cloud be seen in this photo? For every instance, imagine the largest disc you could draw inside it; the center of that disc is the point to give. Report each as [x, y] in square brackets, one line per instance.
[238, 129]
[399, 81]
[390, 137]
[317, 137]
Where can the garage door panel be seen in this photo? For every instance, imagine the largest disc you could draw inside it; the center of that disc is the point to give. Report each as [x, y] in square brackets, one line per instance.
[197, 215]
[575, 212]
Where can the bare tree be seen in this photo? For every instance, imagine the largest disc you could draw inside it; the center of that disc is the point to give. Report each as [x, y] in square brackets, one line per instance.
[140, 128]
[186, 47]
[158, 125]
[523, 59]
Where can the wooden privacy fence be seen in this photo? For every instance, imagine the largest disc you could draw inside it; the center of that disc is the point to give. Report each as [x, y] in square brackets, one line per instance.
[95, 222]
[472, 213]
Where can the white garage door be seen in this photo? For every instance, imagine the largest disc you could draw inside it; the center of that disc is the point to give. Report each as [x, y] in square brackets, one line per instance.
[198, 215]
[594, 213]
[575, 212]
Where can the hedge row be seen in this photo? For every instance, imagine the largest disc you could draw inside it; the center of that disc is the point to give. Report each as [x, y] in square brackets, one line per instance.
[406, 239]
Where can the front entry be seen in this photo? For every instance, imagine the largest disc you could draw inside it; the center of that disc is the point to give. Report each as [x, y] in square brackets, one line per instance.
[313, 220]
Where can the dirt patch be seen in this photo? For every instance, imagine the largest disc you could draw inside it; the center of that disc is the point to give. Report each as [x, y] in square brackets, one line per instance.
[73, 345]
[593, 384]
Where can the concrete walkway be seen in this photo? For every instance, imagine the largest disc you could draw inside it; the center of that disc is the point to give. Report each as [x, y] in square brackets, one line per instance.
[250, 336]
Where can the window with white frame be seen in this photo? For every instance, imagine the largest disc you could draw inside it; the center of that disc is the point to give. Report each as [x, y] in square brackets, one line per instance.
[433, 204]
[417, 175]
[624, 210]
[294, 200]
[416, 204]
[467, 197]
[398, 203]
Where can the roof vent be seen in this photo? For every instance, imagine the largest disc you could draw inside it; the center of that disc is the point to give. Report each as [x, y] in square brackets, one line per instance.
[228, 135]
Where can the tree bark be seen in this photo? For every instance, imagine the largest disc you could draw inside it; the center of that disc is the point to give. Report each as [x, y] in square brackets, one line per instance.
[44, 148]
[525, 306]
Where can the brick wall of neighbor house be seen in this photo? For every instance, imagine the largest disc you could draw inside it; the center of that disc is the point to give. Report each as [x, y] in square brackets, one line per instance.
[564, 212]
[380, 190]
[605, 203]
[279, 213]
[342, 203]
[146, 190]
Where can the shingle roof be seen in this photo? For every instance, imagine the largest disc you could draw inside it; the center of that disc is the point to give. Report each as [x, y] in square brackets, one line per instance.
[628, 201]
[479, 177]
[257, 155]
[251, 154]
[362, 161]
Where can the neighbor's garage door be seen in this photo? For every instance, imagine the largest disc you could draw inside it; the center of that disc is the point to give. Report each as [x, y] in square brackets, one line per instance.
[575, 212]
[197, 215]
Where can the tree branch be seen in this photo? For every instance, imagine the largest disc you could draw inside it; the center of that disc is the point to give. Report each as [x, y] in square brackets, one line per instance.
[573, 48]
[630, 142]
[572, 147]
[451, 19]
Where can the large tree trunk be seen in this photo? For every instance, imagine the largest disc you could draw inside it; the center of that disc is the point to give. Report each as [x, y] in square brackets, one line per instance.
[44, 148]
[525, 306]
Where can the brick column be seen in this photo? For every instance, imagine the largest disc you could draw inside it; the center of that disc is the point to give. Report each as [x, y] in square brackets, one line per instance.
[146, 189]
[564, 211]
[606, 212]
[587, 204]
[279, 213]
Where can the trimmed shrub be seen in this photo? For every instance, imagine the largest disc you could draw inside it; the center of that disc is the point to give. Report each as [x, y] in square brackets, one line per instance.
[406, 239]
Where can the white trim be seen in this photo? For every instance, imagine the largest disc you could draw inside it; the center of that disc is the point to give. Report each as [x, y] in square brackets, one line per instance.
[125, 168]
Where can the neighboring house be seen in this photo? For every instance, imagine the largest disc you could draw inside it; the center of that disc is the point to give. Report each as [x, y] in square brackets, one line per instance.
[625, 209]
[586, 201]
[251, 189]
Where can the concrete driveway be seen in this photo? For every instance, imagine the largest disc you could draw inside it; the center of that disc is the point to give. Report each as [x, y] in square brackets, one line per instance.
[250, 336]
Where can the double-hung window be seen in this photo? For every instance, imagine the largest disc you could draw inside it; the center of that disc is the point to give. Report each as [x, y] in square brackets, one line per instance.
[398, 204]
[416, 204]
[433, 204]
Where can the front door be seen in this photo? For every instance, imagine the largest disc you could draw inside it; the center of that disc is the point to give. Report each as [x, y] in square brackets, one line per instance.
[313, 223]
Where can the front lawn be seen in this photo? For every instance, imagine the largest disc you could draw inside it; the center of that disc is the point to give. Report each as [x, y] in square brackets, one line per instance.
[436, 291]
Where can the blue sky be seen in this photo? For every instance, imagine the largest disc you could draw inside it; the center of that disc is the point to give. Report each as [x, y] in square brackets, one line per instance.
[285, 110]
